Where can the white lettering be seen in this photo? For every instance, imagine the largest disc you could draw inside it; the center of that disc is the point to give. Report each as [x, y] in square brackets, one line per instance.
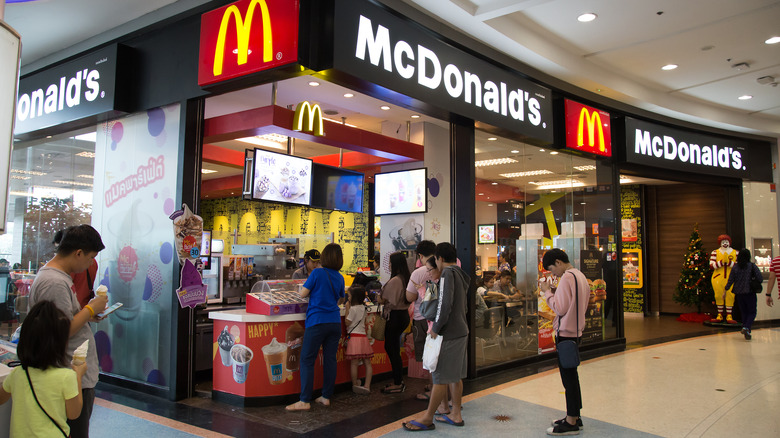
[682, 151]
[658, 151]
[723, 157]
[642, 142]
[67, 91]
[534, 116]
[517, 105]
[473, 80]
[403, 48]
[695, 153]
[23, 107]
[736, 160]
[424, 55]
[73, 92]
[491, 97]
[670, 148]
[706, 156]
[37, 97]
[451, 72]
[50, 105]
[378, 45]
[93, 85]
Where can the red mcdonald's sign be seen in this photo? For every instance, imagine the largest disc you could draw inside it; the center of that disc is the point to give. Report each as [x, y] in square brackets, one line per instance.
[588, 129]
[246, 37]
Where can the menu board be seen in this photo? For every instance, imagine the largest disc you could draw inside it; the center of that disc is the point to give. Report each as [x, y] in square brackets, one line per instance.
[401, 192]
[281, 178]
[631, 220]
[486, 233]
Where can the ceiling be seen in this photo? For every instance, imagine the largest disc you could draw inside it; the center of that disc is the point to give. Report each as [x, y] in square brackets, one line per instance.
[619, 55]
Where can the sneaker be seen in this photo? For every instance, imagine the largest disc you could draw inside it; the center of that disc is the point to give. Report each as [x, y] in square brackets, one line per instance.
[748, 335]
[563, 429]
[563, 420]
[744, 331]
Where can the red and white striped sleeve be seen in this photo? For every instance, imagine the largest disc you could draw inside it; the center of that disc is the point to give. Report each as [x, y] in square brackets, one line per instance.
[775, 266]
[714, 263]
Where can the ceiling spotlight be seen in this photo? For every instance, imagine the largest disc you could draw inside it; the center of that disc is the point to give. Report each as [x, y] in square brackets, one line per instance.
[348, 95]
[741, 66]
[384, 107]
[773, 40]
[669, 67]
[514, 151]
[492, 139]
[415, 116]
[586, 17]
[314, 84]
[745, 97]
[494, 183]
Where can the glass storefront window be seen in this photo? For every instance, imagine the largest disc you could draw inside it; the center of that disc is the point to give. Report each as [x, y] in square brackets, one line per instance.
[50, 189]
[528, 200]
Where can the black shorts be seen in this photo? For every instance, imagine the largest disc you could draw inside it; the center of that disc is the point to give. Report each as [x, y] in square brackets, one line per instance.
[419, 333]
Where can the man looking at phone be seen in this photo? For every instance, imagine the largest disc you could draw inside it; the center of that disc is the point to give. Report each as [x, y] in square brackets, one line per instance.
[75, 253]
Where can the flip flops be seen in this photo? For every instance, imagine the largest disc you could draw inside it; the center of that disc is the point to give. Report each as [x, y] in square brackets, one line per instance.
[423, 397]
[420, 427]
[445, 419]
[398, 390]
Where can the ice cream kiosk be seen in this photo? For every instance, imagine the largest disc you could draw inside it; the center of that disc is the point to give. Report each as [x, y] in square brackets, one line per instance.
[256, 350]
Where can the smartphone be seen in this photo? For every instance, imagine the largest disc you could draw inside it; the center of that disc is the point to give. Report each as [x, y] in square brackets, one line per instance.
[109, 310]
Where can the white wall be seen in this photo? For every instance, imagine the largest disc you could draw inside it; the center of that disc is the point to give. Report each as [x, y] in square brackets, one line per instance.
[758, 201]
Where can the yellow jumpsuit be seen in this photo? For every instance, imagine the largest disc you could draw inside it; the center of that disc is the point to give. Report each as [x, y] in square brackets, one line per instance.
[722, 262]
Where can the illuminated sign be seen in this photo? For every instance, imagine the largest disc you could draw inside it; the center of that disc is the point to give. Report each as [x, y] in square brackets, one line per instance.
[402, 57]
[312, 115]
[246, 37]
[677, 149]
[588, 129]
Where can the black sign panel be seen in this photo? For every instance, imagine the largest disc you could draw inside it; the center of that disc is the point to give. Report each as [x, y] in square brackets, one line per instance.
[68, 92]
[677, 149]
[380, 47]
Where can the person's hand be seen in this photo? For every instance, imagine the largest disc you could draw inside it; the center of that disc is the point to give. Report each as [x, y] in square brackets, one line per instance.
[98, 304]
[544, 286]
[769, 301]
[80, 369]
[433, 334]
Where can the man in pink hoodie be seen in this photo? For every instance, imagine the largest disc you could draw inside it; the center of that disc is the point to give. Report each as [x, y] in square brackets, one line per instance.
[569, 301]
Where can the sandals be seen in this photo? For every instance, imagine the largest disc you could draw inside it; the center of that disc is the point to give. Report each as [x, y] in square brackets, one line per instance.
[419, 427]
[423, 396]
[445, 419]
[397, 390]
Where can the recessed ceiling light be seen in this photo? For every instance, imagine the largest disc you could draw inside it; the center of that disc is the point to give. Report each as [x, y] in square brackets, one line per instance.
[586, 17]
[494, 183]
[415, 116]
[314, 84]
[481, 194]
[773, 40]
[745, 97]
[204, 170]
[490, 205]
[541, 150]
[384, 107]
[492, 139]
[348, 95]
[668, 67]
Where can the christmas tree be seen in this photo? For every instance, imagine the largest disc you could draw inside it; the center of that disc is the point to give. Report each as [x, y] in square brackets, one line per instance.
[694, 286]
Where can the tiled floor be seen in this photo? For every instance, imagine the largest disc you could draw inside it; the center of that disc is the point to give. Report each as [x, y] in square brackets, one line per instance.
[716, 384]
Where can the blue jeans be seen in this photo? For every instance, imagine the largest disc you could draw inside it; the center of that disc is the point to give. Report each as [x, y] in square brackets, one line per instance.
[325, 335]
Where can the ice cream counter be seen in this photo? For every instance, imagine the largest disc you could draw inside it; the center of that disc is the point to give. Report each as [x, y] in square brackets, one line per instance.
[256, 356]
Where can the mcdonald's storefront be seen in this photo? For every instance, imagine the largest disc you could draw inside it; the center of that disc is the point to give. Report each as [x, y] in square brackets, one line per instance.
[512, 167]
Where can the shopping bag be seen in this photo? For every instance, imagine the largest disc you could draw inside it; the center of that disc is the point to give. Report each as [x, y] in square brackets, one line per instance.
[431, 352]
[378, 330]
[568, 354]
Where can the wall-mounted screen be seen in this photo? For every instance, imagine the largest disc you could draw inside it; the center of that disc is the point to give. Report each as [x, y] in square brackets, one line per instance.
[486, 233]
[336, 189]
[281, 178]
[404, 191]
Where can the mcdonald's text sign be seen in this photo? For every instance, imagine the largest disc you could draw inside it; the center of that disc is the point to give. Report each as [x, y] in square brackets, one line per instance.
[246, 37]
[588, 129]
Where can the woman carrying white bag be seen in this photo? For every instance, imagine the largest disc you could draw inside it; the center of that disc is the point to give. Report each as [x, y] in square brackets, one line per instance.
[451, 326]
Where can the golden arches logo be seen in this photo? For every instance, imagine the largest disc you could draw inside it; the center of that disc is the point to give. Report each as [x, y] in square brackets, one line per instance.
[243, 30]
[311, 113]
[594, 121]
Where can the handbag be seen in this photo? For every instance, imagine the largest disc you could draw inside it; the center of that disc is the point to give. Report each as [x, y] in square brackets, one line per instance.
[431, 352]
[756, 281]
[568, 350]
[430, 303]
[378, 330]
[39, 404]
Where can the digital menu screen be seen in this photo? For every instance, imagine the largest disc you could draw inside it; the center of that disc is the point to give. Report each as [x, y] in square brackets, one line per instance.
[336, 189]
[205, 243]
[401, 192]
[281, 178]
[486, 233]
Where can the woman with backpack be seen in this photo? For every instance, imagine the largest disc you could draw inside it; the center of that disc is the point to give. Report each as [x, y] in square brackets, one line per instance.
[740, 277]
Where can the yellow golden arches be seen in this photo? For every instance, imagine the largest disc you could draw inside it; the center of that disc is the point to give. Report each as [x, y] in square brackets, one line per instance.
[243, 28]
[311, 113]
[594, 121]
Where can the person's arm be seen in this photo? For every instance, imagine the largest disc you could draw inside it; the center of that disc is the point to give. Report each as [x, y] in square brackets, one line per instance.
[4, 396]
[73, 406]
[446, 297]
[769, 287]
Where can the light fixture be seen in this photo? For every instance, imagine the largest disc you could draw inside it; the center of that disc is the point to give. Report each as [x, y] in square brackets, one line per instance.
[89, 136]
[275, 141]
[773, 40]
[554, 153]
[340, 122]
[28, 172]
[587, 17]
[204, 170]
[24, 178]
[625, 180]
[86, 154]
[348, 95]
[384, 107]
[527, 173]
[494, 162]
[75, 183]
[86, 176]
[480, 194]
[415, 116]
[668, 67]
[314, 84]
[514, 151]
[541, 150]
[745, 97]
[490, 205]
[584, 168]
[558, 184]
[492, 139]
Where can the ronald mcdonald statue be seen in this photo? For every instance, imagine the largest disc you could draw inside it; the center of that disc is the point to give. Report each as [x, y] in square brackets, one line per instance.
[721, 261]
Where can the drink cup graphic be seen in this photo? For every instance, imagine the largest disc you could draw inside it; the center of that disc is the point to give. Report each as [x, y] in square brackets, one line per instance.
[226, 342]
[275, 354]
[241, 356]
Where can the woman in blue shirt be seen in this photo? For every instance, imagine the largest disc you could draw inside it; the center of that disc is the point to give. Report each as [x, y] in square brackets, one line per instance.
[324, 287]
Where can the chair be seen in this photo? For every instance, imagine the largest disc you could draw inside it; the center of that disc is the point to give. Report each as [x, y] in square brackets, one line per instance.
[491, 332]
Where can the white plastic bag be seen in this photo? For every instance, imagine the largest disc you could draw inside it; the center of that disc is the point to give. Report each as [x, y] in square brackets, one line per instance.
[431, 352]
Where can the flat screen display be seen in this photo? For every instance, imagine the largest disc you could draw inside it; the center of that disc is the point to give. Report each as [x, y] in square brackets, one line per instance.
[205, 244]
[281, 178]
[400, 192]
[486, 233]
[336, 189]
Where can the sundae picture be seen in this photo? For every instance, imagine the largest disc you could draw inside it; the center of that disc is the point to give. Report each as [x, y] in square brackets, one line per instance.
[225, 342]
[188, 231]
[280, 177]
